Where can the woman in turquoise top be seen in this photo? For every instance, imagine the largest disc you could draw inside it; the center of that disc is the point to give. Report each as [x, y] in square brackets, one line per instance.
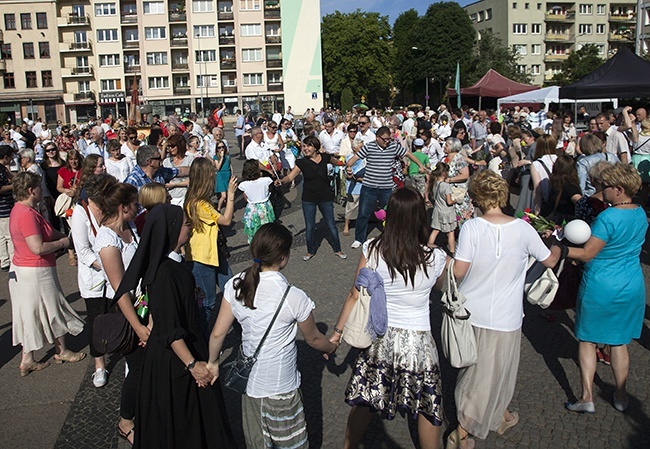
[224, 172]
[611, 301]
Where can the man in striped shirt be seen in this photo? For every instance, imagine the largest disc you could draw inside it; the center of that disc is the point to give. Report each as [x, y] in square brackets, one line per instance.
[378, 179]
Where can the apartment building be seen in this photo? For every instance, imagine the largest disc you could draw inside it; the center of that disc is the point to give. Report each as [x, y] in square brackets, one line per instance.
[545, 33]
[180, 55]
[643, 28]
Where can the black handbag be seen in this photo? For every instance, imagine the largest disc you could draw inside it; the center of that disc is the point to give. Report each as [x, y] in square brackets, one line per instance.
[239, 370]
[222, 246]
[113, 334]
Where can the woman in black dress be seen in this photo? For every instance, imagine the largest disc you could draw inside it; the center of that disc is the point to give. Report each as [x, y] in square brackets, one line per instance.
[176, 407]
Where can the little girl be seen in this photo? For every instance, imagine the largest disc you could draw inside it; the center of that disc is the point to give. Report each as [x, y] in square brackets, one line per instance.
[224, 172]
[256, 191]
[443, 218]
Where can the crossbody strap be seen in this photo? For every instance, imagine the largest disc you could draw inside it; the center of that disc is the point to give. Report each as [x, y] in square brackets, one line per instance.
[268, 329]
[548, 172]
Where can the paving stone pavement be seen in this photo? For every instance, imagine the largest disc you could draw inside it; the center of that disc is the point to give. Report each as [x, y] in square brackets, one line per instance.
[548, 374]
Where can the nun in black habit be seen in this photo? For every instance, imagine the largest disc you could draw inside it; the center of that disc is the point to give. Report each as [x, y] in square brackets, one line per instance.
[177, 407]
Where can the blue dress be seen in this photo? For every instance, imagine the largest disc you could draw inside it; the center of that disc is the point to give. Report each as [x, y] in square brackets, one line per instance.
[611, 300]
[223, 176]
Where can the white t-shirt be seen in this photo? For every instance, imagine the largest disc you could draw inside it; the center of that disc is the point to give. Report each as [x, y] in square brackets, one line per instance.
[408, 304]
[331, 144]
[258, 151]
[256, 191]
[498, 257]
[276, 371]
[178, 193]
[119, 169]
[107, 237]
[544, 179]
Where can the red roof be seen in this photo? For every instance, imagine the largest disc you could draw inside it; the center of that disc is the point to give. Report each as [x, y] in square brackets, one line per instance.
[494, 85]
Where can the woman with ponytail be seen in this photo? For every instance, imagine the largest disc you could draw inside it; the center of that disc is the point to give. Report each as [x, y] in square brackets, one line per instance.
[272, 406]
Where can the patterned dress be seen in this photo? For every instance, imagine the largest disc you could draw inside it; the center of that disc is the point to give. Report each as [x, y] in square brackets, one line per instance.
[464, 210]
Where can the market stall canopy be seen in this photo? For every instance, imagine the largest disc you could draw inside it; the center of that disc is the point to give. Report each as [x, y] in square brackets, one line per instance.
[625, 75]
[493, 85]
[546, 95]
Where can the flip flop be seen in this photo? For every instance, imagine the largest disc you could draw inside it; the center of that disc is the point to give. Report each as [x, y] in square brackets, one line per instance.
[123, 434]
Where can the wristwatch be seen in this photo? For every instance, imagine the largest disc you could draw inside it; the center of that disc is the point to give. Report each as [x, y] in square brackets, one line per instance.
[190, 365]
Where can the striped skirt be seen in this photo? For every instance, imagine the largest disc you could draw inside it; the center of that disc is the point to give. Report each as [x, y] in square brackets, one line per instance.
[275, 422]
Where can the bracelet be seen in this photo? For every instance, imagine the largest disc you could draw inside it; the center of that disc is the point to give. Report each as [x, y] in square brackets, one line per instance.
[337, 330]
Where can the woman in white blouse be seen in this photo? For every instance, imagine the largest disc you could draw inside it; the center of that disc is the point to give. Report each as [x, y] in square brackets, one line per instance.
[541, 169]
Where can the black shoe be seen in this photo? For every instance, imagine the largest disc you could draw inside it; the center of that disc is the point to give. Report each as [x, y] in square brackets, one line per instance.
[5, 269]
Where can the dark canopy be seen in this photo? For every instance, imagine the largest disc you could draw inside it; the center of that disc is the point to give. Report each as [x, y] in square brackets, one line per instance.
[625, 75]
[494, 85]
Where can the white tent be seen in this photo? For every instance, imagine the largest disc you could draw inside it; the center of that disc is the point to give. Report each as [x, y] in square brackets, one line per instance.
[548, 95]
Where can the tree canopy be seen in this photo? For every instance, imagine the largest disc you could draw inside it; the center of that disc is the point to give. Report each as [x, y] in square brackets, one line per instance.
[491, 53]
[578, 65]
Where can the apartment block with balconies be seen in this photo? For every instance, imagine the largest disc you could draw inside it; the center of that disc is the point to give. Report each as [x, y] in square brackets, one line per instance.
[545, 33]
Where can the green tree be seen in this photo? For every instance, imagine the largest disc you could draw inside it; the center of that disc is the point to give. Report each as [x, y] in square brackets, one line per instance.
[357, 53]
[347, 99]
[579, 64]
[491, 53]
[405, 37]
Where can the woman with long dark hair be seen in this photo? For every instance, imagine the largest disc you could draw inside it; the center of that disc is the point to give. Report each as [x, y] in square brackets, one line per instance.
[565, 190]
[400, 371]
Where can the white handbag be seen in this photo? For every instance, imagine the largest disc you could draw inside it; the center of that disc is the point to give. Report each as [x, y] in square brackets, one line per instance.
[457, 334]
[354, 330]
[541, 283]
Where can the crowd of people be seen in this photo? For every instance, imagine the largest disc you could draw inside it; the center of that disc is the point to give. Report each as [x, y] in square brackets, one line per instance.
[142, 215]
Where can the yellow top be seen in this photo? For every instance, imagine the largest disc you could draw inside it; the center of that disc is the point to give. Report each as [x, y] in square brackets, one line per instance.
[203, 245]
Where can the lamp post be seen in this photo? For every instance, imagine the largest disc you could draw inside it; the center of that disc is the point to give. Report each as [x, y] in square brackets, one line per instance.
[198, 39]
[426, 86]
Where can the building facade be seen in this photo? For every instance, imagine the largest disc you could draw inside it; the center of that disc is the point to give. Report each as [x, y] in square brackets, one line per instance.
[643, 28]
[168, 55]
[545, 33]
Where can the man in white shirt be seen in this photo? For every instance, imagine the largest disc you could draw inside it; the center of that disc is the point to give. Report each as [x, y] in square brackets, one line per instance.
[99, 144]
[408, 123]
[330, 138]
[277, 117]
[431, 147]
[616, 142]
[365, 133]
[258, 150]
[288, 115]
[196, 129]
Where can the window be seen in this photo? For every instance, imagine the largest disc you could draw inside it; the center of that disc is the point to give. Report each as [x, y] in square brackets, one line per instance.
[536, 49]
[132, 60]
[111, 85]
[26, 21]
[41, 20]
[473, 17]
[202, 6]
[585, 28]
[131, 35]
[30, 79]
[10, 21]
[204, 30]
[5, 51]
[514, 5]
[154, 7]
[601, 10]
[109, 60]
[46, 78]
[600, 28]
[539, 6]
[519, 28]
[44, 49]
[488, 14]
[9, 80]
[78, 10]
[229, 80]
[207, 81]
[83, 86]
[82, 62]
[250, 5]
[481, 16]
[535, 69]
[274, 77]
[521, 68]
[586, 9]
[526, 5]
[158, 82]
[601, 49]
[206, 56]
[251, 29]
[80, 37]
[251, 54]
[520, 49]
[151, 33]
[181, 81]
[28, 50]
[157, 58]
[536, 28]
[105, 9]
[253, 79]
[107, 35]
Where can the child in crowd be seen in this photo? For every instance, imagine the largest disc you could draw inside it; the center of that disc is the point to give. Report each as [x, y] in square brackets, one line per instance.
[443, 218]
[418, 180]
[256, 191]
[224, 172]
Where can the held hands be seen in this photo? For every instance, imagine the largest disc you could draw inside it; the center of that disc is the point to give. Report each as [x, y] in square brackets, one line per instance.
[143, 334]
[202, 374]
[214, 369]
[335, 339]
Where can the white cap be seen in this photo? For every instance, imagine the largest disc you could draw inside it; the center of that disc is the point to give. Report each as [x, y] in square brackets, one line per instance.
[410, 114]
[420, 114]
[418, 142]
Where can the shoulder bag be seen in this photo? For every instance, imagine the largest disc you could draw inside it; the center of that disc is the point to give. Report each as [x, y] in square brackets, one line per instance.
[354, 331]
[239, 370]
[542, 283]
[457, 335]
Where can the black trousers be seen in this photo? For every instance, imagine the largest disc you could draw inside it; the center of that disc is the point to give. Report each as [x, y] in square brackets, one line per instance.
[94, 307]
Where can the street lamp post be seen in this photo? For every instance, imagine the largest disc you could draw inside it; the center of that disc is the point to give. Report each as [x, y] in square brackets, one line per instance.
[198, 39]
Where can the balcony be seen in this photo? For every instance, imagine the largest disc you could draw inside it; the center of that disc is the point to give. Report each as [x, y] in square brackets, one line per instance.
[273, 63]
[73, 20]
[178, 42]
[81, 96]
[555, 57]
[180, 66]
[559, 16]
[272, 9]
[229, 89]
[225, 15]
[75, 46]
[128, 17]
[629, 17]
[273, 39]
[130, 44]
[228, 64]
[177, 16]
[626, 36]
[182, 90]
[131, 68]
[275, 87]
[226, 39]
[558, 37]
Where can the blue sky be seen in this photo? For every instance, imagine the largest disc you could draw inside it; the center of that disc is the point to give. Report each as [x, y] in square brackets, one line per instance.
[390, 8]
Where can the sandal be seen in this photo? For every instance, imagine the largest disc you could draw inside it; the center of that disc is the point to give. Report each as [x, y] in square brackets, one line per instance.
[505, 424]
[123, 434]
[69, 356]
[454, 441]
[35, 366]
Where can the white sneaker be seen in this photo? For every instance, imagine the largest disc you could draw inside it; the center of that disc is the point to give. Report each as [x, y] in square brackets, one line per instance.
[356, 244]
[99, 377]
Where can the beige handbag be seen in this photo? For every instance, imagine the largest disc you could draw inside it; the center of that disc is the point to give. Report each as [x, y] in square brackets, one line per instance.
[458, 193]
[541, 283]
[354, 330]
[62, 204]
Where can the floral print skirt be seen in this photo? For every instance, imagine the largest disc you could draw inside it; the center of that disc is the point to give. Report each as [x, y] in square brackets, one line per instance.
[399, 372]
[256, 215]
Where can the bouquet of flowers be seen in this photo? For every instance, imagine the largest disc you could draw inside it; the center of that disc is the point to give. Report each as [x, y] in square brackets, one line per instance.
[538, 222]
[294, 147]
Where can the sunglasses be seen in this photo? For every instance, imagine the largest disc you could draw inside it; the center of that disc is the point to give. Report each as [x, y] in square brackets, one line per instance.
[133, 137]
[47, 150]
[155, 158]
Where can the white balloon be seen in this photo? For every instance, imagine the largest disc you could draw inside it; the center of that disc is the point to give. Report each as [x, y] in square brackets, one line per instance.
[577, 231]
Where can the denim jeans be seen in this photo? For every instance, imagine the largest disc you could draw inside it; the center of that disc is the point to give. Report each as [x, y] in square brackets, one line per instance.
[327, 211]
[367, 204]
[207, 278]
